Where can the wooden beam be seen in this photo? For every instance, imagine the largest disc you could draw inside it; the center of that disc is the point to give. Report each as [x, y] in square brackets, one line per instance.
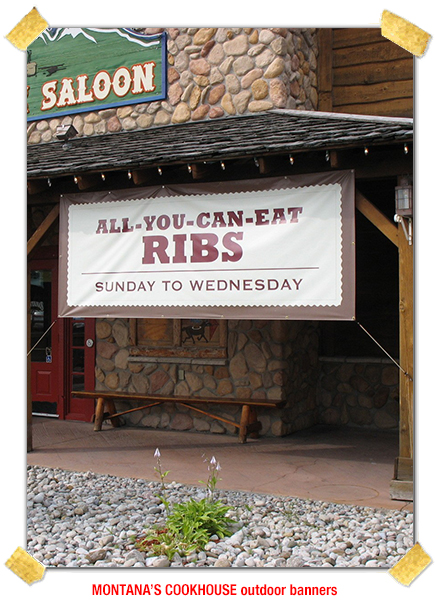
[401, 486]
[334, 159]
[201, 170]
[375, 216]
[406, 335]
[42, 230]
[86, 182]
[325, 36]
[142, 176]
[271, 164]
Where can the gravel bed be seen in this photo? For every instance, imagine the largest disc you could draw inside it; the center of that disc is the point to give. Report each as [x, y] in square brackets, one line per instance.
[88, 520]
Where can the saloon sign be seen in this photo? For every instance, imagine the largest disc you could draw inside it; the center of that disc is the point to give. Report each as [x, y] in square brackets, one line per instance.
[282, 252]
[74, 70]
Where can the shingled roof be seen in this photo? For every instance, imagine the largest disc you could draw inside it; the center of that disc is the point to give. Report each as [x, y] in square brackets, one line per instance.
[273, 132]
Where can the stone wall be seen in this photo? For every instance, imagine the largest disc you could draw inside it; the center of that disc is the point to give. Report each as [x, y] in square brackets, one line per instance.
[267, 360]
[361, 393]
[213, 72]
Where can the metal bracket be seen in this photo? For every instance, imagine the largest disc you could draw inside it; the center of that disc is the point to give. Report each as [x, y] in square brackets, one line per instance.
[408, 234]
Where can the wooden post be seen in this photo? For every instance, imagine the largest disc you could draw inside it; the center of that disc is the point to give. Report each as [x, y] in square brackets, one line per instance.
[325, 82]
[29, 387]
[401, 487]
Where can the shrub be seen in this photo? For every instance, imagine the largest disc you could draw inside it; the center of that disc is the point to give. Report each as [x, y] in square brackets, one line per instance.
[189, 525]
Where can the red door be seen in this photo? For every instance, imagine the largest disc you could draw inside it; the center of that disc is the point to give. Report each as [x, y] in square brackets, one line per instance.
[44, 332]
[63, 352]
[80, 367]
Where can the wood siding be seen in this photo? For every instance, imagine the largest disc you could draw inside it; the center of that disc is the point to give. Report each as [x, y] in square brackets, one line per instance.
[361, 72]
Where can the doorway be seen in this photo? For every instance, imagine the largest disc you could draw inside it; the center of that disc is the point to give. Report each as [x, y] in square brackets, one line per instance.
[62, 350]
[44, 336]
[80, 367]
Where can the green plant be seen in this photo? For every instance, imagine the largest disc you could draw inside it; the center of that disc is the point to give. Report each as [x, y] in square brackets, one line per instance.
[197, 520]
[189, 525]
[188, 528]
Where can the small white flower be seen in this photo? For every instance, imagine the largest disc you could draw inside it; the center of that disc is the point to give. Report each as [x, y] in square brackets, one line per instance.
[157, 453]
[218, 467]
[213, 461]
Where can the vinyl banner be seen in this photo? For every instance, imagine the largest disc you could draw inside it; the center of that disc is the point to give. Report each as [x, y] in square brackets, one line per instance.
[275, 249]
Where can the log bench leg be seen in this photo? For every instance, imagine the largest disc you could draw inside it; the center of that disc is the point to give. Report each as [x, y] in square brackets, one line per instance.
[99, 414]
[110, 405]
[249, 424]
[244, 422]
[253, 421]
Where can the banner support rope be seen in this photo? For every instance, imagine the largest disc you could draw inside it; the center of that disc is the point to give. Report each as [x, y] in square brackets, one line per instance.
[384, 351]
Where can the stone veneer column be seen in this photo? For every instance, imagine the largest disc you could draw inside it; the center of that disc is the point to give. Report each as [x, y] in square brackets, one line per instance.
[212, 73]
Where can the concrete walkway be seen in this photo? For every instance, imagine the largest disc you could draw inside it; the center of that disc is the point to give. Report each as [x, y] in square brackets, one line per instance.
[331, 464]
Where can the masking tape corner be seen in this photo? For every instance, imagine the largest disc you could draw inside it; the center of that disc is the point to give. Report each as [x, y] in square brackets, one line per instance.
[25, 566]
[411, 565]
[404, 34]
[27, 30]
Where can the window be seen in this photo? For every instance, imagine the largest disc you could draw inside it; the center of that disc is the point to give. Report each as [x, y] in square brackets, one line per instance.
[179, 338]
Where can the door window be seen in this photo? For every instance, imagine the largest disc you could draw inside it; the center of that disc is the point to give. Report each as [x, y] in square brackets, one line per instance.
[40, 315]
[78, 355]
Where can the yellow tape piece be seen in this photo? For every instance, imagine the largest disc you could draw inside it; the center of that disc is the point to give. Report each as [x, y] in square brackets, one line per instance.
[27, 30]
[25, 566]
[411, 565]
[403, 33]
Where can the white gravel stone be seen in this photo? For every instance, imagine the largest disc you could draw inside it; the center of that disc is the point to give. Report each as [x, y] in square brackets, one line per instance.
[271, 532]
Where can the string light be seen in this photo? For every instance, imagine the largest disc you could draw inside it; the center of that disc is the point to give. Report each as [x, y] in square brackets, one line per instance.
[129, 175]
[405, 148]
[76, 180]
[327, 156]
[222, 165]
[159, 169]
[366, 150]
[257, 164]
[291, 159]
[189, 168]
[103, 177]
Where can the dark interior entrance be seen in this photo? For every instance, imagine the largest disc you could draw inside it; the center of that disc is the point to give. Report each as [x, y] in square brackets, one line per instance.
[62, 350]
[44, 334]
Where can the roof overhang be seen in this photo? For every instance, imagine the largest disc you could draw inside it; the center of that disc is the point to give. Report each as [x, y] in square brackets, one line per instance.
[268, 134]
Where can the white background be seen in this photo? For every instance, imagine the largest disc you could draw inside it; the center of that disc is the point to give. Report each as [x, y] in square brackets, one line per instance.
[67, 584]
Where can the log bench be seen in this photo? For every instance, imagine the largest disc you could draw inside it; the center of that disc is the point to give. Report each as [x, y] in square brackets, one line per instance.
[106, 408]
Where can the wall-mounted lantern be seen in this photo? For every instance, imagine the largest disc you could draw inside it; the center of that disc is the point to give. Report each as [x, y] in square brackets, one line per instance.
[404, 206]
[404, 198]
